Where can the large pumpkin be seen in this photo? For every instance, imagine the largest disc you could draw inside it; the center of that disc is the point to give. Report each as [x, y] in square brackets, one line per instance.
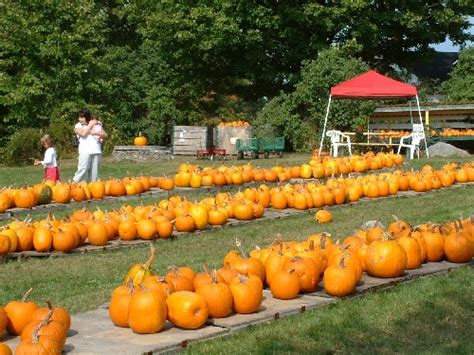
[147, 312]
[385, 258]
[187, 310]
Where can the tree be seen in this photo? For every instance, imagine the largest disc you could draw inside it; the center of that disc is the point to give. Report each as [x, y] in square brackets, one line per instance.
[299, 116]
[50, 58]
[460, 85]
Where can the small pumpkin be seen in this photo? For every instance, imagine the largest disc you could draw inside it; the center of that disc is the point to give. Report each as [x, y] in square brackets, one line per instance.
[51, 328]
[39, 344]
[44, 194]
[323, 216]
[140, 141]
[187, 310]
[285, 285]
[139, 272]
[218, 297]
[338, 280]
[247, 292]
[59, 314]
[458, 247]
[20, 313]
[120, 304]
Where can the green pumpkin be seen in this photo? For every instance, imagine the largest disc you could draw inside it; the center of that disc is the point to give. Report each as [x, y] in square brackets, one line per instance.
[45, 195]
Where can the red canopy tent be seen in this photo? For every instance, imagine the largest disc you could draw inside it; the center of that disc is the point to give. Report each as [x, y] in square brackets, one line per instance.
[371, 86]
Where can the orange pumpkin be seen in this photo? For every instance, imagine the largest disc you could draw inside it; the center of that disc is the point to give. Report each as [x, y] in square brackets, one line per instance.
[3, 322]
[339, 280]
[323, 216]
[19, 313]
[385, 258]
[218, 297]
[120, 304]
[285, 285]
[247, 293]
[147, 312]
[187, 310]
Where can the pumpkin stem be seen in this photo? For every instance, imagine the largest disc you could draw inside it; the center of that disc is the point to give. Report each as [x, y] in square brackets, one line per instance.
[205, 268]
[396, 218]
[343, 258]
[130, 286]
[27, 294]
[311, 245]
[322, 243]
[214, 276]
[152, 257]
[50, 306]
[44, 322]
[238, 244]
[386, 236]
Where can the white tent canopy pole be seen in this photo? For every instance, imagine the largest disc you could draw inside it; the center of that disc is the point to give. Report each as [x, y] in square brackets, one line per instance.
[422, 125]
[324, 127]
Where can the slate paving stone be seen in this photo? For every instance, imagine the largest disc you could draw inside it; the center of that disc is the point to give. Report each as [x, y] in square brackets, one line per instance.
[94, 333]
[270, 309]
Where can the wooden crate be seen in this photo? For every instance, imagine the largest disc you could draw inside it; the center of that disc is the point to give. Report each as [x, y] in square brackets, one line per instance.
[187, 140]
[226, 137]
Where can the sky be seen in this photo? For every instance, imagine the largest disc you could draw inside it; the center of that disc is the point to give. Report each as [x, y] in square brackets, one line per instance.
[448, 46]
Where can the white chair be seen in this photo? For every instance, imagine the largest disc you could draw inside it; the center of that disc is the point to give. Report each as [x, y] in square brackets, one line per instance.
[415, 139]
[338, 139]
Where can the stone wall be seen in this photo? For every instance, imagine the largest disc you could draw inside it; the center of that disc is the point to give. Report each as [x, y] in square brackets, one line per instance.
[150, 152]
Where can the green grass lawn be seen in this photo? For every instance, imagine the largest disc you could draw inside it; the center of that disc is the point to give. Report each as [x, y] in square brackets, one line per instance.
[426, 316]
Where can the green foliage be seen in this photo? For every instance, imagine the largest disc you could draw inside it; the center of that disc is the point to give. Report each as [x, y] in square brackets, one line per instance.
[460, 86]
[24, 145]
[299, 116]
[148, 65]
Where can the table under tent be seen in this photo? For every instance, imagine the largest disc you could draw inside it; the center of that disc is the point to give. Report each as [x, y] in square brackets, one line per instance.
[374, 86]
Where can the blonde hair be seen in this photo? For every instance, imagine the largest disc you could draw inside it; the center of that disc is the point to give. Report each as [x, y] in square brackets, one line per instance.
[47, 139]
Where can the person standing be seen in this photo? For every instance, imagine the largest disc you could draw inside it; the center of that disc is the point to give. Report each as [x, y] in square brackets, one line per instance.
[90, 150]
[49, 162]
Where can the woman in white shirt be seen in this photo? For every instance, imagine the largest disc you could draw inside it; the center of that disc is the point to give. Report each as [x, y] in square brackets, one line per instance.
[49, 162]
[90, 150]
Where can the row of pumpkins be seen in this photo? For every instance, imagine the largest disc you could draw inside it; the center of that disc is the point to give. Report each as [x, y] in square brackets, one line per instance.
[145, 300]
[188, 175]
[42, 330]
[181, 215]
[238, 123]
[452, 132]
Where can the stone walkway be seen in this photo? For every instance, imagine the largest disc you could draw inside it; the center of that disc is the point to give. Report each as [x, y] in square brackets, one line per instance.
[94, 333]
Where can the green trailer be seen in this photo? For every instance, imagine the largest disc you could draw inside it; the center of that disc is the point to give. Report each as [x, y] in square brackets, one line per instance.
[247, 146]
[271, 145]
